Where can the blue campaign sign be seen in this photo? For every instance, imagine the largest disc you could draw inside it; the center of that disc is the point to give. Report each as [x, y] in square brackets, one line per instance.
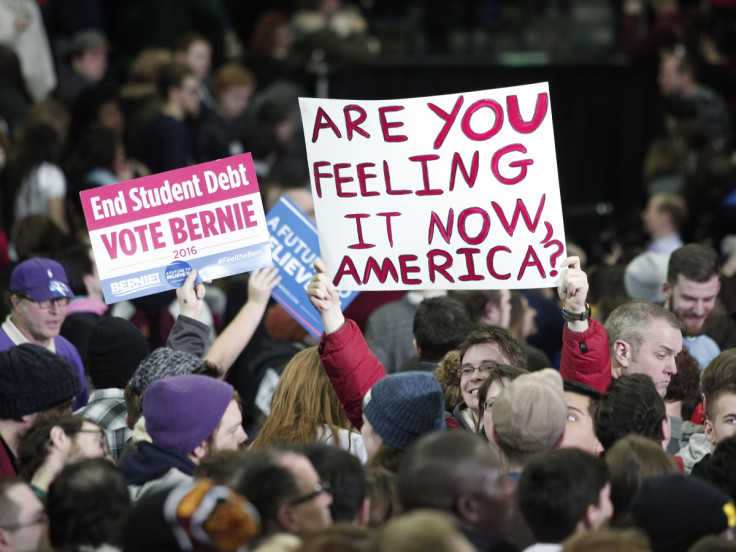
[294, 248]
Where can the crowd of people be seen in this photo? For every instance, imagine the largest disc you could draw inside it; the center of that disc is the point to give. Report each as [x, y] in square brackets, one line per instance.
[472, 443]
[600, 415]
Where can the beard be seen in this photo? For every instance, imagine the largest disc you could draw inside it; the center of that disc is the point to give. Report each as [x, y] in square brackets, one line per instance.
[691, 327]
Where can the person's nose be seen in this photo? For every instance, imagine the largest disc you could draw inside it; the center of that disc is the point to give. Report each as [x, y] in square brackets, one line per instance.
[671, 368]
[477, 375]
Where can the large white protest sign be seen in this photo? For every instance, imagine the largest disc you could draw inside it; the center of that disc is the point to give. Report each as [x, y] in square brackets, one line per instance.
[147, 234]
[456, 191]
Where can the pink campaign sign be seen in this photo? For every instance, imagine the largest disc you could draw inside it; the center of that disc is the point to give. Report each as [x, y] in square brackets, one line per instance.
[148, 233]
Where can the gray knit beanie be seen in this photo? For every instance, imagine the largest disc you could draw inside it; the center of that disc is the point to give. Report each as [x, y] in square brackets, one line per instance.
[162, 363]
[402, 407]
[33, 379]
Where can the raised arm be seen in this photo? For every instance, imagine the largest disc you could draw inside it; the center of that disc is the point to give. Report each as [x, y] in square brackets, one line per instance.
[573, 292]
[349, 363]
[585, 352]
[189, 334]
[325, 298]
[233, 339]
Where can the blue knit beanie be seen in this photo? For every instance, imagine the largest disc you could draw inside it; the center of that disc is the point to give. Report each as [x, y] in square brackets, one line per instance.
[402, 407]
[182, 411]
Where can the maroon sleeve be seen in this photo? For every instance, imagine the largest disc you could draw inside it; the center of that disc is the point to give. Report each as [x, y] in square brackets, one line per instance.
[586, 356]
[352, 368]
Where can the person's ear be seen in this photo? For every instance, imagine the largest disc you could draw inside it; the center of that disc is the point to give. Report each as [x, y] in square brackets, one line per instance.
[591, 518]
[58, 437]
[622, 354]
[710, 433]
[490, 312]
[588, 521]
[468, 509]
[666, 432]
[29, 419]
[364, 513]
[199, 452]
[666, 291]
[285, 519]
[417, 348]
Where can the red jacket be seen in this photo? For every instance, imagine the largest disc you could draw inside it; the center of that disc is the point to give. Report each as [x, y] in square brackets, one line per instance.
[352, 368]
[586, 356]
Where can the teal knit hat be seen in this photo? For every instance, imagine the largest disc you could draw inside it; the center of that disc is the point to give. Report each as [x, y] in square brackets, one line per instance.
[402, 407]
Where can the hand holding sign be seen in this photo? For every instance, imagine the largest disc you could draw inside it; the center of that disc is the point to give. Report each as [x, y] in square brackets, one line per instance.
[573, 292]
[325, 298]
[190, 296]
[574, 287]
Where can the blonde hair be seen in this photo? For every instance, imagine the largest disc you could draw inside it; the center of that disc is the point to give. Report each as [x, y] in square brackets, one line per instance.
[303, 401]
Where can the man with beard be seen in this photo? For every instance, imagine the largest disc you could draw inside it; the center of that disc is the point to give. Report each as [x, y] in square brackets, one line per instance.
[690, 293]
[189, 418]
[34, 383]
[54, 442]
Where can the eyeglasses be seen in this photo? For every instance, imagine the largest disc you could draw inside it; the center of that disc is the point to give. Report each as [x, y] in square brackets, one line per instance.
[101, 433]
[319, 488]
[485, 369]
[46, 305]
[42, 519]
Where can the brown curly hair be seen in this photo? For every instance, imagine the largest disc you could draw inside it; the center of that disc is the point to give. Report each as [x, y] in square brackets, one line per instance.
[446, 374]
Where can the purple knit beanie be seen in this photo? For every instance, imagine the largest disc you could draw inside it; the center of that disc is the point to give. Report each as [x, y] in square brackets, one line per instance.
[182, 411]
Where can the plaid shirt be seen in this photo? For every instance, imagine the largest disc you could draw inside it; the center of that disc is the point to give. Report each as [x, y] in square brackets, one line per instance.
[107, 408]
